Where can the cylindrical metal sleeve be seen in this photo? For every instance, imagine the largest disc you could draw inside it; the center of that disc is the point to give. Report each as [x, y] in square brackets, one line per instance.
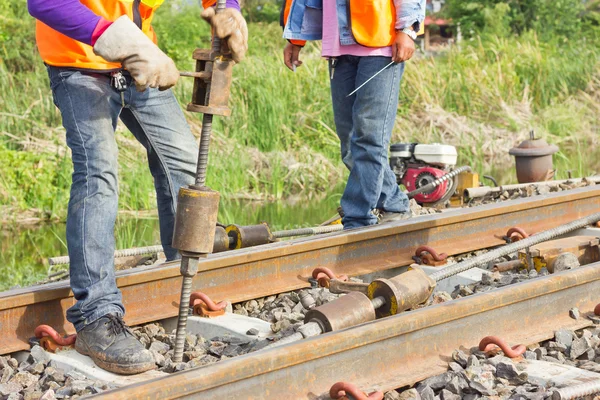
[348, 310]
[401, 292]
[221, 240]
[195, 221]
[250, 235]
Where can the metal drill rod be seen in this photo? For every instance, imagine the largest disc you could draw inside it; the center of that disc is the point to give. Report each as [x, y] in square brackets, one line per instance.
[190, 266]
[189, 262]
[513, 247]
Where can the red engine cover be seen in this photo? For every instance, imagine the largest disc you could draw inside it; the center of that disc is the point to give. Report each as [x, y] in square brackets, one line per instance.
[414, 173]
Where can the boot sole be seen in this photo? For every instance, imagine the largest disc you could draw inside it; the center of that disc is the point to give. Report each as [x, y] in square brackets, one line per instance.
[121, 369]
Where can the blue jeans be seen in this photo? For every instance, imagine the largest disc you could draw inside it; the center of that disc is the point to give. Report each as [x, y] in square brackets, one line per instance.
[364, 123]
[90, 107]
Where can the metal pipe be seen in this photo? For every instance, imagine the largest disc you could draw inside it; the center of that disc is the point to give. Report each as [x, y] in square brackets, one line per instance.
[507, 265]
[438, 181]
[486, 190]
[513, 247]
[577, 391]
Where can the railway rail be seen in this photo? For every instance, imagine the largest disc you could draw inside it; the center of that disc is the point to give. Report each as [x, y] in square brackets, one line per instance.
[422, 340]
[279, 267]
[388, 353]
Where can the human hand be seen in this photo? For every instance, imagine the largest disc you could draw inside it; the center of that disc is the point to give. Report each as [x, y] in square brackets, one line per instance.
[229, 24]
[291, 52]
[403, 47]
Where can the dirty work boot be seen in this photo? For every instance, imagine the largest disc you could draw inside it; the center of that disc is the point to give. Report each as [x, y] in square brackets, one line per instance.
[388, 216]
[112, 346]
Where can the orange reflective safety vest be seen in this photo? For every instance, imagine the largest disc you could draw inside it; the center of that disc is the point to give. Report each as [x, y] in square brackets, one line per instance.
[372, 22]
[61, 51]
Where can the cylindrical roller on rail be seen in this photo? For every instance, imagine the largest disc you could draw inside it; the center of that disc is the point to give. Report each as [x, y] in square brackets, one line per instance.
[349, 310]
[401, 292]
[249, 235]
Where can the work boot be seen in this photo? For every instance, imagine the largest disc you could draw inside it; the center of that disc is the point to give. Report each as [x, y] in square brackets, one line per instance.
[112, 346]
[388, 216]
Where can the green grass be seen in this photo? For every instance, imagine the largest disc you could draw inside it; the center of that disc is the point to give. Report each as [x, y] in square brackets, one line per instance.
[280, 143]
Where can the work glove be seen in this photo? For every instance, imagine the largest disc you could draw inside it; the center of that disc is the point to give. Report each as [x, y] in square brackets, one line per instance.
[124, 42]
[229, 24]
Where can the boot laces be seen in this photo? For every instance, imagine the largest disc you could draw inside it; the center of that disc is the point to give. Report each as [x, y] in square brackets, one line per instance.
[116, 325]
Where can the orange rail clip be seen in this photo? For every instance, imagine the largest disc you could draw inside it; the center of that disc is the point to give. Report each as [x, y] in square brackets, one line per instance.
[489, 342]
[340, 389]
[205, 307]
[50, 340]
[323, 275]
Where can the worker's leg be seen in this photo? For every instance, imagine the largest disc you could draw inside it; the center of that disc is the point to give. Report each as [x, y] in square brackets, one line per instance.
[343, 78]
[156, 120]
[371, 182]
[89, 109]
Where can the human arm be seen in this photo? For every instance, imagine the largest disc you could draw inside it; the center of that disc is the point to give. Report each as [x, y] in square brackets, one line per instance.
[80, 24]
[410, 14]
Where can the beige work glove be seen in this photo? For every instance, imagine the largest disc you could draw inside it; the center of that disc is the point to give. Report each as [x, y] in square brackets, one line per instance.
[229, 24]
[124, 42]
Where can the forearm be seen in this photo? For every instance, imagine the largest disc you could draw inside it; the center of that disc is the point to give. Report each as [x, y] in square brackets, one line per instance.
[408, 12]
[69, 17]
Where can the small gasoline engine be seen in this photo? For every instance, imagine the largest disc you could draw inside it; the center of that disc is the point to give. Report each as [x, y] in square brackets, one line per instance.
[426, 170]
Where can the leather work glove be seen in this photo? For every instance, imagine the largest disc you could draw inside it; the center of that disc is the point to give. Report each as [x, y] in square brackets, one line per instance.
[229, 24]
[124, 42]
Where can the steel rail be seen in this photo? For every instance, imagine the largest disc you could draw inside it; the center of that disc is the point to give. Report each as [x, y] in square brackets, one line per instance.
[389, 353]
[152, 293]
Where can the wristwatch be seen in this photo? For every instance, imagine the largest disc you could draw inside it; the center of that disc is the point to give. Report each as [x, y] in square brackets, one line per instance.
[411, 33]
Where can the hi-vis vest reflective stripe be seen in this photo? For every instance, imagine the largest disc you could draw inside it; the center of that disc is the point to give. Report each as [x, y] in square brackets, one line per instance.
[59, 50]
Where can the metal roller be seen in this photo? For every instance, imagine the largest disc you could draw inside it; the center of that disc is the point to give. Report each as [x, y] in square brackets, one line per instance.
[349, 310]
[401, 292]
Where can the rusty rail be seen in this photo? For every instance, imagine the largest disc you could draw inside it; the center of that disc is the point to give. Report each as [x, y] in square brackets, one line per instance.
[250, 273]
[422, 342]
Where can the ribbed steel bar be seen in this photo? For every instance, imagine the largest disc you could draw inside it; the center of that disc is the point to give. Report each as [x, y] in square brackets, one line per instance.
[308, 231]
[577, 391]
[492, 255]
[137, 251]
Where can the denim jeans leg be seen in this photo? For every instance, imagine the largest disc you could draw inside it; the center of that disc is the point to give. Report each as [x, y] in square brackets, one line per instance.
[342, 83]
[89, 109]
[370, 183]
[156, 120]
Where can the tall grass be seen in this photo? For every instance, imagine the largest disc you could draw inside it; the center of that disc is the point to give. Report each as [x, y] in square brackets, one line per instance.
[482, 96]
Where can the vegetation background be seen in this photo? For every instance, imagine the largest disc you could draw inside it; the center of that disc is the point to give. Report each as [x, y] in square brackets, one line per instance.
[522, 65]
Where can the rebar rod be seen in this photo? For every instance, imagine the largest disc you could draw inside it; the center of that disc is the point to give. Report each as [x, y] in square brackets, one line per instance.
[513, 247]
[577, 391]
[308, 231]
[136, 251]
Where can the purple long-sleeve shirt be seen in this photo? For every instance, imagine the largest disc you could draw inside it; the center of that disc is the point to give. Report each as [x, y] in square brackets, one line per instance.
[73, 19]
